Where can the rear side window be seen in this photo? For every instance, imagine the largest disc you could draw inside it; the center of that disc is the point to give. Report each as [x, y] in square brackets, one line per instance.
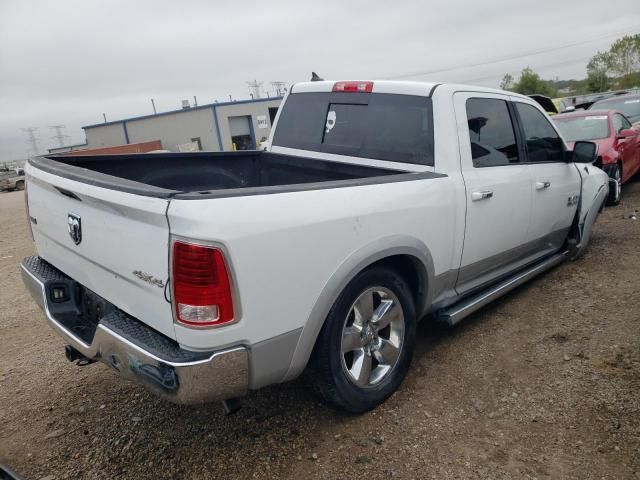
[491, 132]
[543, 143]
[391, 127]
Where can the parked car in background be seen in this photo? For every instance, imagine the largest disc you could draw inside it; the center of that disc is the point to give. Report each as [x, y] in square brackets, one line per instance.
[618, 143]
[12, 180]
[547, 103]
[628, 105]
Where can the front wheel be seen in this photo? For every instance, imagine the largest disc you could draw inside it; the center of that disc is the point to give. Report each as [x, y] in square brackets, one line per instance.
[615, 185]
[365, 347]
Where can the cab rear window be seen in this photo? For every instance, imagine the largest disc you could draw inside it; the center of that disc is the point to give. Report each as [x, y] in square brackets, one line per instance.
[391, 127]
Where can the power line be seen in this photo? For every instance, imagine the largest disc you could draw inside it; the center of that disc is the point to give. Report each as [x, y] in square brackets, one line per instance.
[255, 88]
[539, 67]
[32, 139]
[515, 57]
[59, 135]
[278, 87]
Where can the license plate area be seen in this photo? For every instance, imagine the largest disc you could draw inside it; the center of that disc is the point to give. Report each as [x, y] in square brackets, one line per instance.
[92, 306]
[76, 308]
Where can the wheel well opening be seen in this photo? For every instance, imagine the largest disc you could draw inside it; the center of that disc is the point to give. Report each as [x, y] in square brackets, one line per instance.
[408, 268]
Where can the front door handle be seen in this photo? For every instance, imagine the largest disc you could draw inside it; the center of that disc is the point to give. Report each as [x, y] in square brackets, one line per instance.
[542, 185]
[475, 196]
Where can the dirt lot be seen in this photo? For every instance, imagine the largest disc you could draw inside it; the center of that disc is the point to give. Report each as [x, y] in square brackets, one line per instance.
[543, 384]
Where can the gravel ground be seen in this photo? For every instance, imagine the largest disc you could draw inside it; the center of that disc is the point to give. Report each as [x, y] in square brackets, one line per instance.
[545, 383]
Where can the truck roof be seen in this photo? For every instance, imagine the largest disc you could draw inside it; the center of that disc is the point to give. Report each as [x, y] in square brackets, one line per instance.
[401, 87]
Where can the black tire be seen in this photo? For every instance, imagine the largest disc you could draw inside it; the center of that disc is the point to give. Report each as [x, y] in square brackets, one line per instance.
[326, 372]
[615, 190]
[20, 185]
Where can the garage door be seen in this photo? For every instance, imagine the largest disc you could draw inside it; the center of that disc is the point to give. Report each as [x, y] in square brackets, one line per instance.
[239, 126]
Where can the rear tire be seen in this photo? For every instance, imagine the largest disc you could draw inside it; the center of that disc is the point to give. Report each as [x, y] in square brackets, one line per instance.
[20, 185]
[615, 192]
[364, 349]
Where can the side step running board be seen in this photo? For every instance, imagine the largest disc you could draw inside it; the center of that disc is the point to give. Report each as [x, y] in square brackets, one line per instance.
[453, 314]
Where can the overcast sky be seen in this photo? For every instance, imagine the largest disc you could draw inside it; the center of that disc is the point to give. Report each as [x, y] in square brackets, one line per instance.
[68, 61]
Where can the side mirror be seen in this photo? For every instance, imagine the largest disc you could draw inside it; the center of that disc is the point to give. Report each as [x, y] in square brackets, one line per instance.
[626, 133]
[584, 152]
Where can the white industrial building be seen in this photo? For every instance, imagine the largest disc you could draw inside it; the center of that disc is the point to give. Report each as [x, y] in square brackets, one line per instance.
[239, 125]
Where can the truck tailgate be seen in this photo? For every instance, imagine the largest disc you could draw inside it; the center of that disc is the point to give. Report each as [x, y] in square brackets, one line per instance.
[123, 252]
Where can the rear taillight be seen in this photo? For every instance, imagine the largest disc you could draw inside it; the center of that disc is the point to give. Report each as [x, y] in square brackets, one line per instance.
[201, 286]
[363, 87]
[26, 207]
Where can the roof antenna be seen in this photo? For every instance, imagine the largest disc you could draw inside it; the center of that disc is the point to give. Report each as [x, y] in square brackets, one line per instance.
[315, 77]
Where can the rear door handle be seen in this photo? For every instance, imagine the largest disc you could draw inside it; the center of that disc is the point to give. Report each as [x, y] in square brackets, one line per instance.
[475, 196]
[542, 185]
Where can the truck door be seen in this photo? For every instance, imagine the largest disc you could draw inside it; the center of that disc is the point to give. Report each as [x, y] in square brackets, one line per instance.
[555, 183]
[498, 189]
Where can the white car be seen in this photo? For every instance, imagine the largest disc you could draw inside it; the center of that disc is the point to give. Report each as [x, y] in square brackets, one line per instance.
[203, 275]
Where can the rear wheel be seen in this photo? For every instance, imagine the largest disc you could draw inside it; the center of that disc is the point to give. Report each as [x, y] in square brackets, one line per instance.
[365, 347]
[615, 185]
[20, 185]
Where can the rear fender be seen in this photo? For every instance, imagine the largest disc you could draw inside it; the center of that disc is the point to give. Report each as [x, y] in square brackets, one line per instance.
[361, 259]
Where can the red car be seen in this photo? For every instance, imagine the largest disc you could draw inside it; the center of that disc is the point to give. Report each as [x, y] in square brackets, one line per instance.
[618, 143]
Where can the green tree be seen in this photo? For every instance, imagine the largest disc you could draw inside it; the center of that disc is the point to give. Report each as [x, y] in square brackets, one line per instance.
[507, 82]
[629, 81]
[530, 83]
[598, 72]
[625, 55]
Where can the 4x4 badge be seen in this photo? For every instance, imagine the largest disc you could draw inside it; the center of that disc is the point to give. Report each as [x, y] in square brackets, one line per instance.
[74, 227]
[150, 279]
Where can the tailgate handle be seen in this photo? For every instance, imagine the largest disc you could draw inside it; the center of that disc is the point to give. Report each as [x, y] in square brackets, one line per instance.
[67, 193]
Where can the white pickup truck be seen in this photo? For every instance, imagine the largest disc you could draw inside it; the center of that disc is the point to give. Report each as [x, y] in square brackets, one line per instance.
[203, 275]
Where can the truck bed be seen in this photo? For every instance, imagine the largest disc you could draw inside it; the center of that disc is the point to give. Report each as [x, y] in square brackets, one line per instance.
[198, 174]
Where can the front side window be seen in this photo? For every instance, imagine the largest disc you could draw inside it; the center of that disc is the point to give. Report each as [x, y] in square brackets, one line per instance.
[391, 127]
[493, 140]
[543, 143]
[620, 123]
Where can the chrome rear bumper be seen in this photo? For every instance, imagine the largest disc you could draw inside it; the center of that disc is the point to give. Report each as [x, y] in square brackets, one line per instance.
[137, 352]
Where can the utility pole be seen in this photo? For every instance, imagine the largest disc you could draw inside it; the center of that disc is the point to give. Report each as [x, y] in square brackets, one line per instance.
[59, 135]
[255, 88]
[153, 104]
[278, 87]
[32, 139]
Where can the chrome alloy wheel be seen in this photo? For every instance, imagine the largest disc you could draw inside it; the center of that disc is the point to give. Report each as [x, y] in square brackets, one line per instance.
[372, 337]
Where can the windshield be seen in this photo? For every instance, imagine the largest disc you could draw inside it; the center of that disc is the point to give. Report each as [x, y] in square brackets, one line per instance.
[381, 126]
[591, 127]
[629, 106]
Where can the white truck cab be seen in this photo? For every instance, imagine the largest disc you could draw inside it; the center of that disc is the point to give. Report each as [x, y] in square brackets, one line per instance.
[376, 204]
